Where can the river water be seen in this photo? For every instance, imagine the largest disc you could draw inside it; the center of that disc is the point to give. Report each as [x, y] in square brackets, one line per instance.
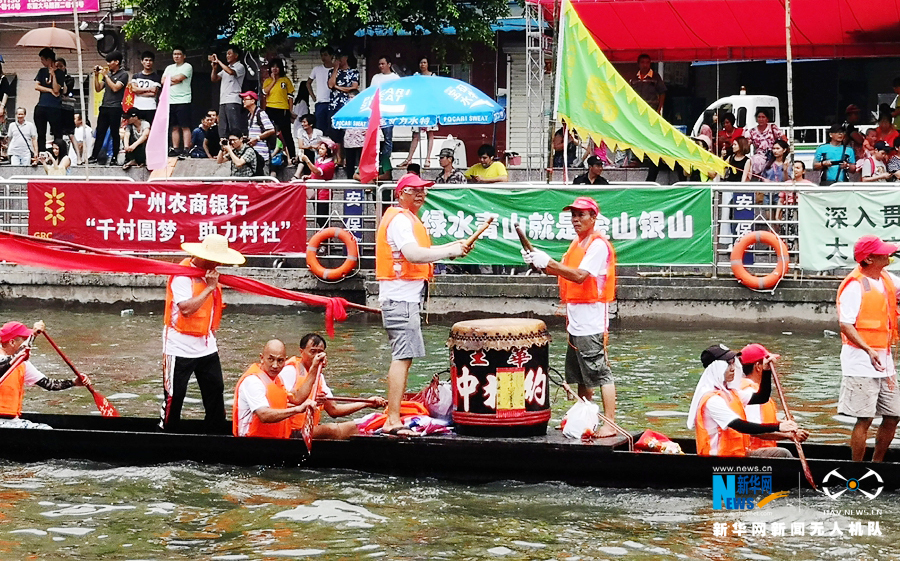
[83, 510]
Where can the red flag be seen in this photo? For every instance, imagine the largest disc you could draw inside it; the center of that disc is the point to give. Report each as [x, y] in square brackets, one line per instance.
[368, 161]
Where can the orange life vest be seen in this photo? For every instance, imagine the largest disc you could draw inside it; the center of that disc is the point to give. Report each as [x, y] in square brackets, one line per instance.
[393, 266]
[12, 390]
[203, 321]
[588, 292]
[277, 398]
[731, 442]
[768, 415]
[877, 319]
[297, 421]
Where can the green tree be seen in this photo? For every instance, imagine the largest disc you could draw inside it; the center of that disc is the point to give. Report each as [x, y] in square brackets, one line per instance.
[257, 24]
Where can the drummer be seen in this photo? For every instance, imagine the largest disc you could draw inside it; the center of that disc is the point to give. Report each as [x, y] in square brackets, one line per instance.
[261, 406]
[587, 285]
[403, 265]
[297, 380]
[717, 413]
[12, 389]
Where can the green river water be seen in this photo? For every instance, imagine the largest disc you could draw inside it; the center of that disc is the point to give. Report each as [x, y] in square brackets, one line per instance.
[83, 510]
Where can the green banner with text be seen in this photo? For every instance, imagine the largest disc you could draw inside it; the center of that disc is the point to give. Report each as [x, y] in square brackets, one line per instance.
[647, 226]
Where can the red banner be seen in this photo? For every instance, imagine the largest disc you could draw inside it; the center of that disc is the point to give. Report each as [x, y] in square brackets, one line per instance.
[257, 218]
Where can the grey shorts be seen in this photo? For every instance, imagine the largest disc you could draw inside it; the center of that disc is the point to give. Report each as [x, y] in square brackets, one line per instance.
[586, 361]
[404, 328]
[864, 397]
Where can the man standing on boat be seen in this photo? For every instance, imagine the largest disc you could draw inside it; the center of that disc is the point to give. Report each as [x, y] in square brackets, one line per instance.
[193, 311]
[12, 388]
[754, 390]
[303, 378]
[717, 413]
[867, 309]
[261, 403]
[587, 285]
[403, 265]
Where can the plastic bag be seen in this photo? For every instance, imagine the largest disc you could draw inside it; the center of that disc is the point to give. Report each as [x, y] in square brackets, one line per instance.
[440, 403]
[581, 420]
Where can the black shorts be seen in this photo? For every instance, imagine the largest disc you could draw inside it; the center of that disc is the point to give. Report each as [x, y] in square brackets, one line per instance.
[180, 115]
[68, 121]
[146, 114]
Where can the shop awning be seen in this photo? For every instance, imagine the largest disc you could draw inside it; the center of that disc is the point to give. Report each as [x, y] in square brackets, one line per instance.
[690, 30]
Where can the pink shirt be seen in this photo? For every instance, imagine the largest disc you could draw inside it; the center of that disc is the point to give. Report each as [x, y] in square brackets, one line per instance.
[327, 167]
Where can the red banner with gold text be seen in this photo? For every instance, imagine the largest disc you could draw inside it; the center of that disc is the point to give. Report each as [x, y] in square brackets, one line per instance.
[257, 218]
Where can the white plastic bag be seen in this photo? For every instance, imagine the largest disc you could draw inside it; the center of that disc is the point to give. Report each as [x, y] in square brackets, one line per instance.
[440, 404]
[581, 420]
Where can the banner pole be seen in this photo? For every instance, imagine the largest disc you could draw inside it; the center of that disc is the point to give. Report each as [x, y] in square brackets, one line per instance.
[87, 167]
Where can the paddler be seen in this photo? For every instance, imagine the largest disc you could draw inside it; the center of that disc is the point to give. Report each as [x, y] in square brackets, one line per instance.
[403, 265]
[311, 382]
[587, 285]
[867, 310]
[12, 389]
[261, 405]
[717, 413]
[192, 315]
[752, 388]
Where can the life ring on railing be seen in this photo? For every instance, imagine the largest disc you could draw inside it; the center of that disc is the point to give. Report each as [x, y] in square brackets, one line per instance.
[747, 278]
[312, 261]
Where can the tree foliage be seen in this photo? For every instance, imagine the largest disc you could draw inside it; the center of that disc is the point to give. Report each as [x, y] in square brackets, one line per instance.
[258, 24]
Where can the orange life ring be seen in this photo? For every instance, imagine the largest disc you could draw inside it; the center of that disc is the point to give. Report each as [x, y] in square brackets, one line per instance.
[747, 278]
[312, 261]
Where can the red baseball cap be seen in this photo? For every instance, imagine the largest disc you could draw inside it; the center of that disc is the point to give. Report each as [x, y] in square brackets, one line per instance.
[13, 329]
[251, 95]
[411, 180]
[584, 203]
[871, 245]
[755, 352]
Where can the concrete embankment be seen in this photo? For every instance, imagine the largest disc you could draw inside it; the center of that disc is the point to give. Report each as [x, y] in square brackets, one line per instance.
[643, 300]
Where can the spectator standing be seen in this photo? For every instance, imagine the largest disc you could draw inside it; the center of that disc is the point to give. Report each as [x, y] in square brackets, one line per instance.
[56, 161]
[23, 148]
[762, 138]
[834, 159]
[111, 81]
[386, 74]
[180, 73]
[853, 135]
[487, 170]
[241, 156]
[354, 138]
[417, 132]
[48, 111]
[261, 130]
[231, 75]
[215, 134]
[592, 177]
[201, 147]
[319, 91]
[449, 174]
[777, 169]
[893, 165]
[134, 138]
[343, 80]
[5, 90]
[727, 135]
[571, 149]
[652, 89]
[874, 168]
[279, 93]
[67, 102]
[145, 85]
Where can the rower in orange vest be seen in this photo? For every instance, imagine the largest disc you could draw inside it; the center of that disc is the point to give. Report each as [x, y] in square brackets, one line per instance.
[300, 377]
[717, 412]
[261, 407]
[12, 388]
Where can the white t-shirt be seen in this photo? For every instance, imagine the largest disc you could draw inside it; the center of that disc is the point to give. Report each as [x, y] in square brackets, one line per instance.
[400, 233]
[251, 396]
[17, 142]
[32, 374]
[288, 377]
[181, 344]
[855, 361]
[379, 79]
[590, 319]
[717, 415]
[86, 149]
[869, 167]
[146, 81]
[319, 76]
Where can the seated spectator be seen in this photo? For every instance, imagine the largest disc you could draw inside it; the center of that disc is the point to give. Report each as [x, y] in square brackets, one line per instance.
[727, 135]
[23, 147]
[873, 169]
[134, 139]
[592, 177]
[448, 174]
[279, 157]
[414, 169]
[487, 171]
[213, 136]
[84, 141]
[56, 161]
[776, 169]
[241, 156]
[323, 168]
[200, 147]
[308, 140]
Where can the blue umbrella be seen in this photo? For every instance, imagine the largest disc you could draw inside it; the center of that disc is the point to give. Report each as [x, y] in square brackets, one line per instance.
[422, 101]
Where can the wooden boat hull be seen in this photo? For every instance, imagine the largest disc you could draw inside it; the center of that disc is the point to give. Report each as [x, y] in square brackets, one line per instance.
[608, 463]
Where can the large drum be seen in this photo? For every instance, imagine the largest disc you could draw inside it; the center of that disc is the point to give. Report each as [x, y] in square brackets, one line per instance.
[499, 376]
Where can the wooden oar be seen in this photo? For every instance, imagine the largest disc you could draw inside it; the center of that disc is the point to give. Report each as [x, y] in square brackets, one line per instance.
[787, 414]
[526, 245]
[310, 421]
[16, 362]
[342, 399]
[471, 240]
[103, 405]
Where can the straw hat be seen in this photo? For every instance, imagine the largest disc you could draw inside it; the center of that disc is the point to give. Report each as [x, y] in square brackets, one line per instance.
[214, 247]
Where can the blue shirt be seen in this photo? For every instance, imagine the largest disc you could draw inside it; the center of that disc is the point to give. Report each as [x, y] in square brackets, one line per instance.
[834, 153]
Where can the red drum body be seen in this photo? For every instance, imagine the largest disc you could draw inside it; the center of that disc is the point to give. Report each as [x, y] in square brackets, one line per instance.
[499, 377]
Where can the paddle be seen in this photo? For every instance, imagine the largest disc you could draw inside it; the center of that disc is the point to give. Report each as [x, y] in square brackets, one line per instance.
[526, 245]
[310, 421]
[341, 399]
[16, 362]
[787, 413]
[471, 240]
[103, 405]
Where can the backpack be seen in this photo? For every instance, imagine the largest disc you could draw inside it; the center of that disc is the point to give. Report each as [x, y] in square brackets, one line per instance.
[260, 163]
[270, 142]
